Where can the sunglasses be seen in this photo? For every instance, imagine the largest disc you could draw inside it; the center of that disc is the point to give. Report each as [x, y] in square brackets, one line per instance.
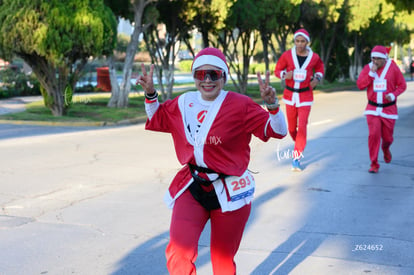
[212, 74]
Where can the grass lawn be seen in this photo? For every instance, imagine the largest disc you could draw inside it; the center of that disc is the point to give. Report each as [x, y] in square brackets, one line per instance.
[85, 108]
[92, 108]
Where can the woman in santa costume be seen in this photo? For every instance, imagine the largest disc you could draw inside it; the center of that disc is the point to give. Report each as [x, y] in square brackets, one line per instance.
[302, 70]
[384, 83]
[211, 129]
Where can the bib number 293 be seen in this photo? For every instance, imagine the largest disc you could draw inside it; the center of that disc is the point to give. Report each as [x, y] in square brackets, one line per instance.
[240, 187]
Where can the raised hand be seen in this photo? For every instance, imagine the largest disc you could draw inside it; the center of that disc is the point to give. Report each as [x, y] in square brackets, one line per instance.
[146, 80]
[374, 67]
[267, 92]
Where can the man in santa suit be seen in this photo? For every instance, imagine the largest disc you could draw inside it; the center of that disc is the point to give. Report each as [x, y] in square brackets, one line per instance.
[302, 70]
[384, 83]
[211, 129]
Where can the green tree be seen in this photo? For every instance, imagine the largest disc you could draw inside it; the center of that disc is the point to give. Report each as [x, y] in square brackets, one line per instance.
[326, 21]
[403, 5]
[239, 35]
[208, 16]
[383, 32]
[167, 27]
[56, 38]
[287, 16]
[372, 23]
[277, 18]
[134, 11]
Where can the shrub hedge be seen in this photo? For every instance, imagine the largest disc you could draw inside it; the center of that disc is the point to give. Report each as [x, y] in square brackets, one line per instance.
[14, 82]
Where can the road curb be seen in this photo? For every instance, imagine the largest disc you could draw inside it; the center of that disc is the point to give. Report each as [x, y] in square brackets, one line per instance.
[131, 121]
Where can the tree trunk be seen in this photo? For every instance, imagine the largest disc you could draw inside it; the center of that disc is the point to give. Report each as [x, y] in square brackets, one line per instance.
[58, 107]
[206, 41]
[53, 97]
[169, 79]
[113, 101]
[265, 42]
[356, 63]
[53, 81]
[119, 96]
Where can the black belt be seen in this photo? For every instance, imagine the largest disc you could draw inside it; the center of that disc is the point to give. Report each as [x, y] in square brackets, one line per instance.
[297, 90]
[201, 180]
[207, 199]
[381, 104]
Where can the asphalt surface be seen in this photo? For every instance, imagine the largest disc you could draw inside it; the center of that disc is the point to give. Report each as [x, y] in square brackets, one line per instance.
[78, 200]
[16, 104]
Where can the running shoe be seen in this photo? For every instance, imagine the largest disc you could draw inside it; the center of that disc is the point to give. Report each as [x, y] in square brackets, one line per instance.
[374, 169]
[296, 165]
[387, 155]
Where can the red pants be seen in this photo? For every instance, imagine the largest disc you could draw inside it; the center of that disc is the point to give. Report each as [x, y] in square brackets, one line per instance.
[187, 223]
[379, 128]
[297, 118]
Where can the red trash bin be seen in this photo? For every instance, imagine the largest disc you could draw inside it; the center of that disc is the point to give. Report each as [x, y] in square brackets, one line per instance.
[104, 82]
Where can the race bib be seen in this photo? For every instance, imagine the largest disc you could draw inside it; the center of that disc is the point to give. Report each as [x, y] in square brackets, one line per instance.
[380, 85]
[299, 75]
[240, 187]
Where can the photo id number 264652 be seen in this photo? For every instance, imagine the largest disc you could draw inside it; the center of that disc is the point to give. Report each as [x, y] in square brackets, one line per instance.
[368, 247]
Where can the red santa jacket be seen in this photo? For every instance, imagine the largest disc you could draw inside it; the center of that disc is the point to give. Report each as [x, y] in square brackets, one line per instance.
[313, 65]
[378, 105]
[230, 123]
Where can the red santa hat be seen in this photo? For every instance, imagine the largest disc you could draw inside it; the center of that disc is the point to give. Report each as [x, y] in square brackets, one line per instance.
[210, 56]
[303, 33]
[380, 51]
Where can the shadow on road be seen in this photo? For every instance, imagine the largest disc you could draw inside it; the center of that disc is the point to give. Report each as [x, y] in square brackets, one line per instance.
[142, 259]
[347, 207]
[349, 204]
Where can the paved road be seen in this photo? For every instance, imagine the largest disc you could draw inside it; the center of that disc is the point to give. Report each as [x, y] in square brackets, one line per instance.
[90, 201]
[8, 131]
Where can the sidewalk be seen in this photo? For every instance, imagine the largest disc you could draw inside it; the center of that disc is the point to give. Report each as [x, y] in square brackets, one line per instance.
[16, 104]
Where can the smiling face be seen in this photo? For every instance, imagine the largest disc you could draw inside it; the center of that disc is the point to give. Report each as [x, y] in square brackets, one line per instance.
[208, 88]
